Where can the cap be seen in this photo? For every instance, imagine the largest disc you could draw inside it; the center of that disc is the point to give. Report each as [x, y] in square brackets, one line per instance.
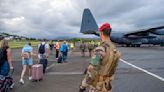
[105, 26]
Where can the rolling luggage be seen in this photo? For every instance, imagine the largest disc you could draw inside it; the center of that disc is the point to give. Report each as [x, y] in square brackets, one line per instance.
[37, 72]
[44, 62]
[59, 60]
[6, 83]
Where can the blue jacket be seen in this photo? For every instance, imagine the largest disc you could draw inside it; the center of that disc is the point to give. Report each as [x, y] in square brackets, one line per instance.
[27, 48]
[64, 48]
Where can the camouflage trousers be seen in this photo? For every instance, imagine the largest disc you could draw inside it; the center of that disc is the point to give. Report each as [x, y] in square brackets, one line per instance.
[89, 81]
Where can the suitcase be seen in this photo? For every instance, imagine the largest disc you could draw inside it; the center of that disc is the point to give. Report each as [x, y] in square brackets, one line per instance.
[37, 72]
[44, 62]
[59, 60]
[6, 82]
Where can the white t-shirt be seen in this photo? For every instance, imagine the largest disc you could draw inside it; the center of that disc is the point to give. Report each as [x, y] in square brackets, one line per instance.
[46, 47]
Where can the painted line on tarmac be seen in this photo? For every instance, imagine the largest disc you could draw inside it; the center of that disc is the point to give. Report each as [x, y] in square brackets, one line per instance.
[143, 70]
[50, 66]
[65, 73]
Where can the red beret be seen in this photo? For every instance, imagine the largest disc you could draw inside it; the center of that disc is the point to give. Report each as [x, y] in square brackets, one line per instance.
[105, 26]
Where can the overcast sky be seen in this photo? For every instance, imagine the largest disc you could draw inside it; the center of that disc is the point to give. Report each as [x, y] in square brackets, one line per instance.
[56, 18]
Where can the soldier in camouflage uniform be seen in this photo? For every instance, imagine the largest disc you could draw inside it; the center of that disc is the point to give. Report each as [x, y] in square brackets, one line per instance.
[103, 64]
[82, 48]
[90, 48]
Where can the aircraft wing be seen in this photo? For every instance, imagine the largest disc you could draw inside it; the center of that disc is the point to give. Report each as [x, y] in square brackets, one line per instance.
[145, 32]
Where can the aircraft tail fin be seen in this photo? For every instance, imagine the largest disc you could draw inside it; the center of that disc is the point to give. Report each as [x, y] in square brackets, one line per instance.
[88, 25]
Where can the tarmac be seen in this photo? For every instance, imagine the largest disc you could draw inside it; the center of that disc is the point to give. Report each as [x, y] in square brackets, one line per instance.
[139, 70]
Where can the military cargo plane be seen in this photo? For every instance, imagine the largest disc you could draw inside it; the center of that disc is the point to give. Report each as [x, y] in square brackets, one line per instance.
[154, 35]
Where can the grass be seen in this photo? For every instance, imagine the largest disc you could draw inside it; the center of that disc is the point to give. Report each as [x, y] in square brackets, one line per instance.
[20, 44]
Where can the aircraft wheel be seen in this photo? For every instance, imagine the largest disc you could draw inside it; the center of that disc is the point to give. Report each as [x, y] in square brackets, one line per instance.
[138, 45]
[162, 45]
[127, 45]
[122, 45]
[133, 45]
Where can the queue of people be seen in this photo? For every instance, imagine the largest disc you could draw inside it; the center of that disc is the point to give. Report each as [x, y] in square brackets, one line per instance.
[99, 74]
[27, 55]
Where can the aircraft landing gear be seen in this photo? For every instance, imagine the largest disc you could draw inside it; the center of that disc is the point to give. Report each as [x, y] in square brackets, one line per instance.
[122, 45]
[138, 45]
[162, 45]
[127, 45]
[133, 45]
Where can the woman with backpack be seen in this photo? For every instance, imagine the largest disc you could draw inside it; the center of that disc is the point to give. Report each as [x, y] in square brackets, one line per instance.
[5, 59]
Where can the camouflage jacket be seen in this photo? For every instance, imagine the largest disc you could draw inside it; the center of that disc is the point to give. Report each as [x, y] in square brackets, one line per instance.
[106, 67]
[110, 60]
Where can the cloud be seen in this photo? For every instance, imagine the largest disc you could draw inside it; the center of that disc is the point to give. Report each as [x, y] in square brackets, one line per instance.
[62, 18]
